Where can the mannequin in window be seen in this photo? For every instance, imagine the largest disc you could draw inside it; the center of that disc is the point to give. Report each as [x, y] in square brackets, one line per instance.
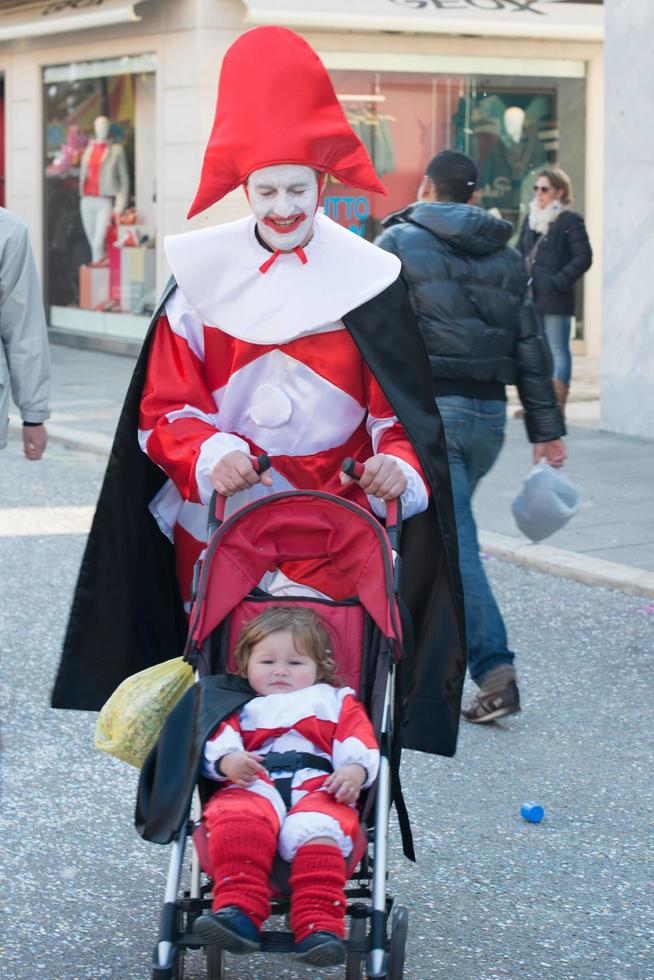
[488, 149]
[103, 186]
[523, 148]
[514, 121]
[524, 151]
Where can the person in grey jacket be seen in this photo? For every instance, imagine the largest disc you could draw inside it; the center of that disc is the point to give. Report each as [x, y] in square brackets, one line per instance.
[24, 352]
[469, 292]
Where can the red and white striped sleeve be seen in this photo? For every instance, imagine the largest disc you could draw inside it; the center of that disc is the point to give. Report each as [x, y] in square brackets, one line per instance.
[354, 738]
[226, 738]
[388, 436]
[178, 426]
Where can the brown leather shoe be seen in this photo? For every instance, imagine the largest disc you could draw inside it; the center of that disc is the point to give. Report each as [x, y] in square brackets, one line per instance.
[498, 695]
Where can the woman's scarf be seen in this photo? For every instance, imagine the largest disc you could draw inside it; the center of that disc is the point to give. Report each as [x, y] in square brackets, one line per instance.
[540, 219]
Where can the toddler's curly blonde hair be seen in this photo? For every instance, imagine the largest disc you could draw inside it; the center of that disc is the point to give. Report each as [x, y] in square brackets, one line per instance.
[310, 636]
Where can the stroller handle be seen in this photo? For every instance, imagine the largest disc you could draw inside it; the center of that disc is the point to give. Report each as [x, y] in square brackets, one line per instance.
[217, 505]
[261, 464]
[352, 467]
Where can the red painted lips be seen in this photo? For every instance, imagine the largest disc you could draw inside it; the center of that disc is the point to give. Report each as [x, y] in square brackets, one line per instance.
[289, 224]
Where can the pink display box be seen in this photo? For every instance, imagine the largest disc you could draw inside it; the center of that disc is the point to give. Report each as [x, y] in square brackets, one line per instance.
[93, 286]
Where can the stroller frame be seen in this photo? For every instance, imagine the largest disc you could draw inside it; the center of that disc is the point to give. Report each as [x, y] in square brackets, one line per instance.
[382, 951]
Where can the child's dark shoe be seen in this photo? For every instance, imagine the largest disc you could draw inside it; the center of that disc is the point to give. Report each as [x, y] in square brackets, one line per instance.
[230, 929]
[321, 949]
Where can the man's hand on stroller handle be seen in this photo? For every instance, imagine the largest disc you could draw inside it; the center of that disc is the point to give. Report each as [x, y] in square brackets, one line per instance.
[345, 783]
[234, 472]
[382, 477]
[243, 768]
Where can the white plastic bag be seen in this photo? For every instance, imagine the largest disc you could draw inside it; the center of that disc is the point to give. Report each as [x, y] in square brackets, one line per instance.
[545, 502]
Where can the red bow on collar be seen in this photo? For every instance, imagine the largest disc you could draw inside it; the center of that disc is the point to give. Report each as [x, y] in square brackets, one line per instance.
[267, 264]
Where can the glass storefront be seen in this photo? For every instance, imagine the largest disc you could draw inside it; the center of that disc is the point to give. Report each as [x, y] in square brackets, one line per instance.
[99, 166]
[511, 126]
[100, 192]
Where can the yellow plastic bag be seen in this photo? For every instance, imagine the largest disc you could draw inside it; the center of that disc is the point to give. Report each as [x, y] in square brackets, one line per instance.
[131, 721]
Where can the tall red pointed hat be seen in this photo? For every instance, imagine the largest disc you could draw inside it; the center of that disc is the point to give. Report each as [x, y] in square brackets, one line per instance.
[276, 104]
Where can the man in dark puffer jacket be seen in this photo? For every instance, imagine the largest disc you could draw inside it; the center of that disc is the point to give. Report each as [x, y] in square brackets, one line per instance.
[469, 292]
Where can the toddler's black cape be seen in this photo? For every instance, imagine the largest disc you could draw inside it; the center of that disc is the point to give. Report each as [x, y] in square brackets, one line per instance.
[172, 768]
[127, 614]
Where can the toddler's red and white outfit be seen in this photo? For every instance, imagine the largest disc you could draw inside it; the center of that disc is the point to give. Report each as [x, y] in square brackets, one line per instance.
[247, 826]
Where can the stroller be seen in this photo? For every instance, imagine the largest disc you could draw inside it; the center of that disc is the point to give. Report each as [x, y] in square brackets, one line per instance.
[307, 526]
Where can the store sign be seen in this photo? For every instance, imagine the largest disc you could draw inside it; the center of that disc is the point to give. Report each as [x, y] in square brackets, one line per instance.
[65, 5]
[61, 16]
[351, 212]
[555, 19]
[538, 7]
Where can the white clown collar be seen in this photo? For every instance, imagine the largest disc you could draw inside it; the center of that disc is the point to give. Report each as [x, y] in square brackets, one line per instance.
[218, 270]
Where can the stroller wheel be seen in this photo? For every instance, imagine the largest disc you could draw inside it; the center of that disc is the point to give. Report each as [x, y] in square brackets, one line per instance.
[354, 962]
[397, 952]
[215, 962]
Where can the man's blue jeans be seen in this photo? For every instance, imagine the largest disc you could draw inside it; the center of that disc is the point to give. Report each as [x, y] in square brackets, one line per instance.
[474, 431]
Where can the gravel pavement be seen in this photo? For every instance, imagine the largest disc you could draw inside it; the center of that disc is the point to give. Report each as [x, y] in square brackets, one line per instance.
[491, 896]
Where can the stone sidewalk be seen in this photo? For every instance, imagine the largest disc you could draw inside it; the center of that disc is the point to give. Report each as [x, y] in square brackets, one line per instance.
[609, 542]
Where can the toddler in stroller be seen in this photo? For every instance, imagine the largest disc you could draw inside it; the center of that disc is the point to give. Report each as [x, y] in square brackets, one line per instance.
[292, 752]
[293, 762]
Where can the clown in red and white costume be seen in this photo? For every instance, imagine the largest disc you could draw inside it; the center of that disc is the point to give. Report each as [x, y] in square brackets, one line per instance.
[320, 719]
[282, 333]
[251, 354]
[259, 383]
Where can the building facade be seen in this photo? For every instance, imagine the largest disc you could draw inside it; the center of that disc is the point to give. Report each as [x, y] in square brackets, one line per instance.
[627, 364]
[107, 107]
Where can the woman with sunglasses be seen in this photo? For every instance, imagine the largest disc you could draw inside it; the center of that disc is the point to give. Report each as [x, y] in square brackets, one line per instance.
[557, 252]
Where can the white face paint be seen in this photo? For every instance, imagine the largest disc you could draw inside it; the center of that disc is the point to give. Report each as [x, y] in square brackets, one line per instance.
[284, 200]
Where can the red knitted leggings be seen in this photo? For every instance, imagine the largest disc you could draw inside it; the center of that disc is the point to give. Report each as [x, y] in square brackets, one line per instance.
[241, 853]
[318, 891]
[243, 831]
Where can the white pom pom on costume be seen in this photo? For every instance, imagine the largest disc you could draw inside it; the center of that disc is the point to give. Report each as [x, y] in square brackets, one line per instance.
[270, 407]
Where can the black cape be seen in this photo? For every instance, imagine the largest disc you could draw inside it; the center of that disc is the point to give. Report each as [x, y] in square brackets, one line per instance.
[172, 768]
[127, 613]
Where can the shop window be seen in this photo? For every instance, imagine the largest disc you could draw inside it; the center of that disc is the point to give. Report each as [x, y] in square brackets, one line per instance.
[100, 194]
[511, 126]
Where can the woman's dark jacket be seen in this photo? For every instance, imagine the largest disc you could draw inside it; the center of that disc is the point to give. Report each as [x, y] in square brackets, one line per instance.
[563, 256]
[469, 292]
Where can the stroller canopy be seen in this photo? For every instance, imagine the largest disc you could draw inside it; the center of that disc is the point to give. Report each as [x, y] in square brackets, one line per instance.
[297, 526]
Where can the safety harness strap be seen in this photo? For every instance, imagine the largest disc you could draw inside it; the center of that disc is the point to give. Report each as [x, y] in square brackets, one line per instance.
[291, 762]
